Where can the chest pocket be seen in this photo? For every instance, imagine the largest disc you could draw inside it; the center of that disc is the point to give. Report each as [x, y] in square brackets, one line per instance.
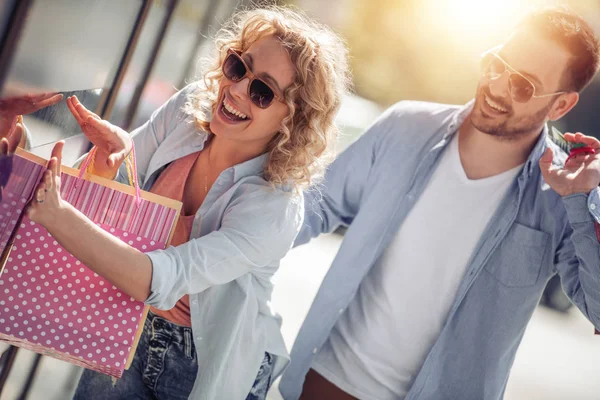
[518, 258]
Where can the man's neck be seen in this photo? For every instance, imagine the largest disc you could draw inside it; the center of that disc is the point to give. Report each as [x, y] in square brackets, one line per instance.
[483, 155]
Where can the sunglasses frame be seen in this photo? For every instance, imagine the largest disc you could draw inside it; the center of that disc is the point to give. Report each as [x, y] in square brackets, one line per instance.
[250, 75]
[511, 71]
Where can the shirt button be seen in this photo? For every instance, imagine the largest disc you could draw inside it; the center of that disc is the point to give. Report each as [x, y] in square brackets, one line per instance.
[315, 350]
[198, 338]
[194, 302]
[592, 206]
[341, 310]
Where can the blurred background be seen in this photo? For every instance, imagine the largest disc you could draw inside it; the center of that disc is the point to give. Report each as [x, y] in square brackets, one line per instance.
[124, 58]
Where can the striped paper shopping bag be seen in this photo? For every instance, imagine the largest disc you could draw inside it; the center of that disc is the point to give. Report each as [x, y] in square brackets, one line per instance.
[52, 304]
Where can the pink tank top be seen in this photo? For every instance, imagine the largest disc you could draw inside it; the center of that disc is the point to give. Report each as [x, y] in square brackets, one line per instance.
[171, 184]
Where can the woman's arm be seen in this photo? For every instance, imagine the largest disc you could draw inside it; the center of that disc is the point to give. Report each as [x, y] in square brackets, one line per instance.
[114, 143]
[124, 266]
[257, 229]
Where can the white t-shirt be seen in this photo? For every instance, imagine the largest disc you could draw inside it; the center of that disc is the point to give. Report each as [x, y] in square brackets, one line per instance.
[379, 344]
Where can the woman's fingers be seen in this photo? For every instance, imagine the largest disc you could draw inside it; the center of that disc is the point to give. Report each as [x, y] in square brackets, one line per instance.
[102, 127]
[82, 110]
[10, 143]
[57, 157]
[49, 176]
[3, 147]
[15, 138]
[79, 111]
[40, 193]
[75, 112]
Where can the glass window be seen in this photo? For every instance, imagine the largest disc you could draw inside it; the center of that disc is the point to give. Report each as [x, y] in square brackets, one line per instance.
[6, 9]
[183, 38]
[139, 62]
[70, 46]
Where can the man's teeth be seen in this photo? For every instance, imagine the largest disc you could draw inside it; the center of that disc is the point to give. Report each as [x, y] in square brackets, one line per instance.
[495, 106]
[233, 111]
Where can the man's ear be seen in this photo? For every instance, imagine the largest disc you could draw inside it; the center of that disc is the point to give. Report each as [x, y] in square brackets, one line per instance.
[563, 105]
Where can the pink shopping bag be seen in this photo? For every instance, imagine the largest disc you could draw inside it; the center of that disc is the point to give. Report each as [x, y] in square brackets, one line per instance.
[52, 304]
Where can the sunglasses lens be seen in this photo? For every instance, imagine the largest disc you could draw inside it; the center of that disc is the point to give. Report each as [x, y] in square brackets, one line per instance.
[492, 67]
[233, 68]
[261, 94]
[520, 88]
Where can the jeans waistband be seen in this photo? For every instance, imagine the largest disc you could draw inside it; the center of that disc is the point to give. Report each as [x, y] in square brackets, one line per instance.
[161, 330]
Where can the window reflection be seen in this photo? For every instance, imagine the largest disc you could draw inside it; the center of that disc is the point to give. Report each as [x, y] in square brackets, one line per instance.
[73, 47]
[184, 37]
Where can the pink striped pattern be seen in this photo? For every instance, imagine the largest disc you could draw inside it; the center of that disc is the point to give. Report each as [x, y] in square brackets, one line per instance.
[51, 303]
[106, 206]
[17, 192]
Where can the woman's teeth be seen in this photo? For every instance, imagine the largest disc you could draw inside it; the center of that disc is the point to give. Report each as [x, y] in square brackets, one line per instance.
[233, 111]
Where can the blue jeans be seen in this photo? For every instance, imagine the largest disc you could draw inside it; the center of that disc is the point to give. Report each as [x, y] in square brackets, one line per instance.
[164, 367]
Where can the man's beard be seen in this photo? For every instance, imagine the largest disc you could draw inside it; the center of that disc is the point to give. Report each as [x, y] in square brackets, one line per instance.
[507, 127]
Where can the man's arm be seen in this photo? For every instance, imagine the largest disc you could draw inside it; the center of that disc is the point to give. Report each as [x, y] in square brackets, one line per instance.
[337, 200]
[577, 259]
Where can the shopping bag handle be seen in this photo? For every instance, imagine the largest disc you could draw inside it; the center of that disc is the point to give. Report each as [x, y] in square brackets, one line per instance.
[130, 164]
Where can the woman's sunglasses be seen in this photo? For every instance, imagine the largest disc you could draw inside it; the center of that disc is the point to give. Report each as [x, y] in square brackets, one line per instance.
[235, 69]
[521, 89]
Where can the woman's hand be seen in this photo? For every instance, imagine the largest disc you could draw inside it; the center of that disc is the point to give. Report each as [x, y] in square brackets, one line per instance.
[9, 144]
[46, 206]
[7, 147]
[113, 143]
[124, 266]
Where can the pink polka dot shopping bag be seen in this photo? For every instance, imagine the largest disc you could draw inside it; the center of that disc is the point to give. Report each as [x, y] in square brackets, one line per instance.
[52, 304]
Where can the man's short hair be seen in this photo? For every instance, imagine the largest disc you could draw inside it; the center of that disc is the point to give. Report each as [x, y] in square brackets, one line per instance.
[573, 33]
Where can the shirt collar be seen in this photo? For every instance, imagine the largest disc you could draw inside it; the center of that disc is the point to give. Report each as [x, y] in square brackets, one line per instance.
[252, 167]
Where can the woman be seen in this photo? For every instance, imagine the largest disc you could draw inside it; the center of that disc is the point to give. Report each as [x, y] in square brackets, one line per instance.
[237, 150]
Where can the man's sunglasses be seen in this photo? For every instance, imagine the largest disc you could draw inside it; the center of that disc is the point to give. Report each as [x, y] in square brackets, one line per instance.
[235, 69]
[521, 89]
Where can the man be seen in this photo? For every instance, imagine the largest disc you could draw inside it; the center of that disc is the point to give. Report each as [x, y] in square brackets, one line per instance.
[457, 219]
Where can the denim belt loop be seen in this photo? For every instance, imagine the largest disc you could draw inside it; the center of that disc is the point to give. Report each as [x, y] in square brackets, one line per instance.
[187, 339]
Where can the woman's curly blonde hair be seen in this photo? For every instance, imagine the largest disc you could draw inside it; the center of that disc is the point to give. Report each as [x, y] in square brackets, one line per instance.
[299, 153]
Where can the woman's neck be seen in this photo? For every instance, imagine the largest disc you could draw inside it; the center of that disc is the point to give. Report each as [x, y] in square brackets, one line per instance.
[226, 153]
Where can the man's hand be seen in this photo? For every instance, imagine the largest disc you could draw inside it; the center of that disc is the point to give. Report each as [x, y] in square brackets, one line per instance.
[581, 174]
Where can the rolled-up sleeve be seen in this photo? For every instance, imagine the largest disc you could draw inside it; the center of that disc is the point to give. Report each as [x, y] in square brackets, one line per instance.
[258, 228]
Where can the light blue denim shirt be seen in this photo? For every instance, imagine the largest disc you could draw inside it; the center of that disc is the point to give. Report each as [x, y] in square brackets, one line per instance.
[239, 234]
[533, 235]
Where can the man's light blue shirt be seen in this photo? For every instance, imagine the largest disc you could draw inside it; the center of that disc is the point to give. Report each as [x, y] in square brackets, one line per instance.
[533, 235]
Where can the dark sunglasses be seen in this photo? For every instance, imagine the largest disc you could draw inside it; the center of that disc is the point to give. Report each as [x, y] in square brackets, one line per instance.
[235, 69]
[521, 89]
